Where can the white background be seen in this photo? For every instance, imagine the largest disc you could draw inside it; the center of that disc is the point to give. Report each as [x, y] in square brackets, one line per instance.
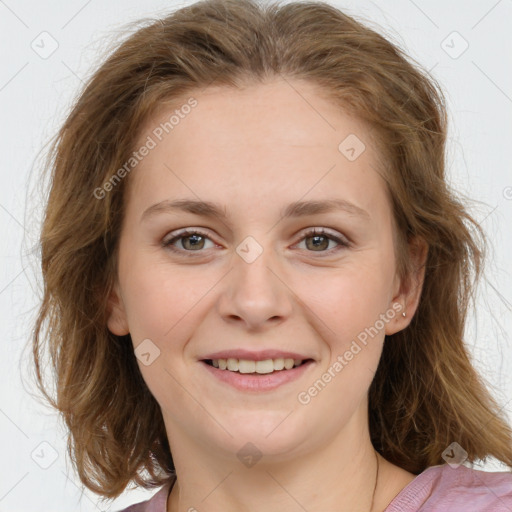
[35, 94]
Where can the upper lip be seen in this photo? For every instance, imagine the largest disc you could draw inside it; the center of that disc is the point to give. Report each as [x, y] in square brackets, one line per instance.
[260, 355]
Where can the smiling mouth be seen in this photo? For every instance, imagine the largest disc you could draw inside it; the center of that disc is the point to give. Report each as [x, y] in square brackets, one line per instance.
[263, 367]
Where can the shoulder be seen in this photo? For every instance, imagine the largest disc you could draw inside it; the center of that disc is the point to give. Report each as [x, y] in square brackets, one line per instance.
[456, 489]
[158, 503]
[464, 478]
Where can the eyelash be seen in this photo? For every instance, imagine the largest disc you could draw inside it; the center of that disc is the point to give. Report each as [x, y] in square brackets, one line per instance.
[168, 244]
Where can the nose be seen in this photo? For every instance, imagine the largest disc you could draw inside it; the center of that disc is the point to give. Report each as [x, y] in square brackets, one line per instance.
[255, 293]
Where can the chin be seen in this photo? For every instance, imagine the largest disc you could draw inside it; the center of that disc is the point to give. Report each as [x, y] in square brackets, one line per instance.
[274, 434]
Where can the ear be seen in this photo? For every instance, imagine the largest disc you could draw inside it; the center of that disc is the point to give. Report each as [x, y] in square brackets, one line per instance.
[407, 291]
[117, 320]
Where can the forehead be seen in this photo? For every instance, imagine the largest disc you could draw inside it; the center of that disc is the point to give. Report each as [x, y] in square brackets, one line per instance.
[279, 139]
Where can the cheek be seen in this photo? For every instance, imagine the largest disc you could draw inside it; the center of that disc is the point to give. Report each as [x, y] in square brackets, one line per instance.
[350, 305]
[157, 296]
[151, 307]
[353, 300]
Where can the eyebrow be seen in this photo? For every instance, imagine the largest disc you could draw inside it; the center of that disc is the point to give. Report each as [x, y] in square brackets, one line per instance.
[295, 209]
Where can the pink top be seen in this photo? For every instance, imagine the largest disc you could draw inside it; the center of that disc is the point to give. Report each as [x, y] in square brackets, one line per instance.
[437, 489]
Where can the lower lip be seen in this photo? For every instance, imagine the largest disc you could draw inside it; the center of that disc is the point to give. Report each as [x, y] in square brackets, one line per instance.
[261, 382]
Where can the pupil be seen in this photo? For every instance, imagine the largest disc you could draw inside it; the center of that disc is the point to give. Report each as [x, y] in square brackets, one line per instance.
[319, 241]
[194, 240]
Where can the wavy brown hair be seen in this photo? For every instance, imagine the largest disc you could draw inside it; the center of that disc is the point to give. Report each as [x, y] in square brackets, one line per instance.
[425, 394]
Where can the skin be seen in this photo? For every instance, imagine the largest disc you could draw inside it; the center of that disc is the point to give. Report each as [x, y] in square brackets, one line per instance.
[254, 151]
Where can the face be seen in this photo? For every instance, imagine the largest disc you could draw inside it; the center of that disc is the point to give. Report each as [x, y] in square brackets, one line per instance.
[264, 278]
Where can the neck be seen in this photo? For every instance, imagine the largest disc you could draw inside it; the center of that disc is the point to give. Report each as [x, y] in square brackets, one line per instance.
[339, 475]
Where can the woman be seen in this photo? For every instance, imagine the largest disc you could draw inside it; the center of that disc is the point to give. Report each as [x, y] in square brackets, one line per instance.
[257, 278]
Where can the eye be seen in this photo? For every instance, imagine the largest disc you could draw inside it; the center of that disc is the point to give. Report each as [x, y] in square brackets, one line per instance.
[320, 239]
[192, 240]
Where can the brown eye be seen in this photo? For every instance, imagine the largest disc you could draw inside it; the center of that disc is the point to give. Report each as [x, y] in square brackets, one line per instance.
[194, 242]
[318, 241]
[189, 241]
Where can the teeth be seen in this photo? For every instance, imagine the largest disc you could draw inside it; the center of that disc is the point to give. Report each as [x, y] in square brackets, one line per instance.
[266, 366]
[232, 364]
[279, 364]
[247, 366]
